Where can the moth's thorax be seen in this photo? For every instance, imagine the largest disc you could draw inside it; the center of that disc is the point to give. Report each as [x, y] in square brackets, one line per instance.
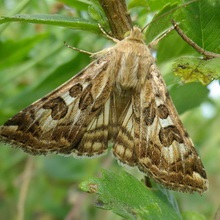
[134, 44]
[136, 34]
[132, 58]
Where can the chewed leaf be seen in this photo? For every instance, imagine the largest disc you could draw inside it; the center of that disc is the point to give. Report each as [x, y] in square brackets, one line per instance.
[195, 69]
[126, 196]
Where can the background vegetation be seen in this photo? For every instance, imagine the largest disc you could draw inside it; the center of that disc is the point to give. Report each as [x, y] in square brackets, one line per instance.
[34, 61]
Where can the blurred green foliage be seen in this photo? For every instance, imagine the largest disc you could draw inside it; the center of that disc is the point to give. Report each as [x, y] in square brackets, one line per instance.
[34, 61]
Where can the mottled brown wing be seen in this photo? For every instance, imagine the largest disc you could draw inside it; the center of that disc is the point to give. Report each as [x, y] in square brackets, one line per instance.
[165, 150]
[71, 119]
[124, 141]
[123, 130]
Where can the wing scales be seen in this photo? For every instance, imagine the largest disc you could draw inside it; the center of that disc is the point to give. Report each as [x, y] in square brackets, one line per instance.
[167, 153]
[57, 122]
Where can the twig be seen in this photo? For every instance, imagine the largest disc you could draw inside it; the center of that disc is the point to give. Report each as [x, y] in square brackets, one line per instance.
[217, 214]
[76, 206]
[118, 17]
[207, 54]
[26, 176]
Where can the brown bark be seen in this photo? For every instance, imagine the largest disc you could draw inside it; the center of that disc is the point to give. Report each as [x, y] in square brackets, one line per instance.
[118, 17]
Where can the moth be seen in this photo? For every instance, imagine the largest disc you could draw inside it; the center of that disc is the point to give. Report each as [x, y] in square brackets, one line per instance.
[119, 98]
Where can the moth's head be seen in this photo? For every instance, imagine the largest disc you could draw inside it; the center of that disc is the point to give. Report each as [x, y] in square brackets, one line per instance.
[136, 34]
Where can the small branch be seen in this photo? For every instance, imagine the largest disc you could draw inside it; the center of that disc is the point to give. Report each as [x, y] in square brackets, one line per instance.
[207, 54]
[24, 188]
[77, 205]
[118, 17]
[217, 214]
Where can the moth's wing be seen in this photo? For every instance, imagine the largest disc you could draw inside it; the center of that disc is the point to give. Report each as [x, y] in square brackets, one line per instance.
[165, 150]
[124, 133]
[96, 135]
[71, 119]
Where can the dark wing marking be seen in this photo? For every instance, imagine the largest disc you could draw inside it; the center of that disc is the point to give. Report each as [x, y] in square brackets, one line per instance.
[167, 152]
[60, 121]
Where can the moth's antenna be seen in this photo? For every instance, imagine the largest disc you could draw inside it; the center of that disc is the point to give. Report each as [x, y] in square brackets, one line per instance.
[107, 35]
[81, 51]
[155, 42]
[174, 9]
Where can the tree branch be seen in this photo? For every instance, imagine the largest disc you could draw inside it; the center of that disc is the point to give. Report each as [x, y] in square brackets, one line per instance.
[118, 17]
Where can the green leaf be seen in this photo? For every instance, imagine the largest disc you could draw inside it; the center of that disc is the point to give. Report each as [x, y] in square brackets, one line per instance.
[97, 14]
[10, 57]
[58, 20]
[138, 3]
[192, 69]
[202, 23]
[77, 4]
[160, 23]
[192, 216]
[188, 96]
[68, 168]
[126, 196]
[168, 52]
[87, 2]
[151, 5]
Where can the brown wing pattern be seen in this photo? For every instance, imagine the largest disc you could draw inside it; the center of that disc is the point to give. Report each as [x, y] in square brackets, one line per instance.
[167, 152]
[66, 120]
[124, 146]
